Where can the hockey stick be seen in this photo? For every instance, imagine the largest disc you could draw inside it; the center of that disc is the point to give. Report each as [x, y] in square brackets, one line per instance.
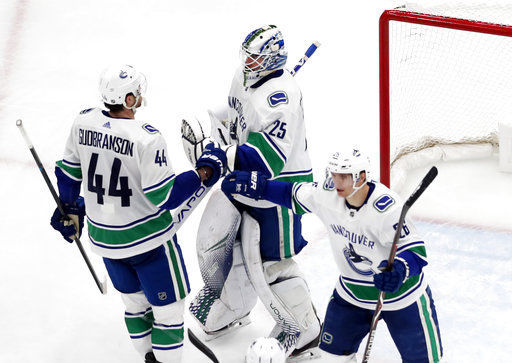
[431, 175]
[201, 346]
[101, 285]
[187, 207]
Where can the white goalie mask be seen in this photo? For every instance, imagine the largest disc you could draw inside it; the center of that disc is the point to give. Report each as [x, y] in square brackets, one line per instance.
[265, 350]
[118, 81]
[352, 162]
[262, 51]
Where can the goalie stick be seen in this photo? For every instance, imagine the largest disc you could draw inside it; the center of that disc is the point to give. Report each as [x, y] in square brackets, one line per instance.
[182, 213]
[201, 346]
[102, 285]
[431, 175]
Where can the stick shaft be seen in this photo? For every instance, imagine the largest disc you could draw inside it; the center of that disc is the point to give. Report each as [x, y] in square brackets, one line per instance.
[425, 182]
[59, 204]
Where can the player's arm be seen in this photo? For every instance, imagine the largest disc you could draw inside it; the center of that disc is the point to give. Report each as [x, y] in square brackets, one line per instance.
[267, 151]
[167, 190]
[410, 258]
[299, 197]
[69, 179]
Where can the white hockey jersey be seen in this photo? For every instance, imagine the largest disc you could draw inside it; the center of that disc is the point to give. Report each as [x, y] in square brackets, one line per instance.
[126, 177]
[362, 238]
[270, 119]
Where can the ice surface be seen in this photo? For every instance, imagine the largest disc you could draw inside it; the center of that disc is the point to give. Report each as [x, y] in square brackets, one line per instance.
[52, 53]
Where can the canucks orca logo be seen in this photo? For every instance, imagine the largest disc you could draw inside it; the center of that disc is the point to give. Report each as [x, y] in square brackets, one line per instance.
[150, 129]
[359, 263]
[328, 183]
[123, 75]
[277, 98]
[383, 203]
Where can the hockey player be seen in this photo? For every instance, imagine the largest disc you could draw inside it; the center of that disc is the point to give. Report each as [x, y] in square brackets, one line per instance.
[265, 124]
[129, 187]
[361, 216]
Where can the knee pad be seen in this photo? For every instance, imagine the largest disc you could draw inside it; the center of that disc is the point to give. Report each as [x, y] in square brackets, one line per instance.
[135, 303]
[171, 314]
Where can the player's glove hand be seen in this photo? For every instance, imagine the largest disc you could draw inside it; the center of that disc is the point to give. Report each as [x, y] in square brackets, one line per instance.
[390, 281]
[215, 158]
[66, 224]
[249, 184]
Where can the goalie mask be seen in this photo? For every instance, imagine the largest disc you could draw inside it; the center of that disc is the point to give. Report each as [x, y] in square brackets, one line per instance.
[262, 51]
[351, 162]
[116, 82]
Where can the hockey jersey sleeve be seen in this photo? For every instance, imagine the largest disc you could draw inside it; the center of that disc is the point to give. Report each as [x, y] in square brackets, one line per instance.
[159, 182]
[69, 172]
[411, 247]
[305, 198]
[267, 150]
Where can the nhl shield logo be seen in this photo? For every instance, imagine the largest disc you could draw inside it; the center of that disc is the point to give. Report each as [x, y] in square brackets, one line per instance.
[162, 295]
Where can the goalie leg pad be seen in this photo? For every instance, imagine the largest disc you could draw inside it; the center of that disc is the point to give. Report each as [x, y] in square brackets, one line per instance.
[228, 294]
[139, 319]
[287, 283]
[281, 313]
[167, 332]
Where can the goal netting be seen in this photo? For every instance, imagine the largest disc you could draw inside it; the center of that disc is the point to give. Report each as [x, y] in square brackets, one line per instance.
[446, 83]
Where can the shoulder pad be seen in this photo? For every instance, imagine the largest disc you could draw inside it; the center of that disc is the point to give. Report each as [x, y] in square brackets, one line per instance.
[277, 98]
[383, 203]
[86, 110]
[150, 129]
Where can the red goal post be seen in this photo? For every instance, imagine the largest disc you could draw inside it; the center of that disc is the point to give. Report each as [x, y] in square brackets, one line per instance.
[465, 97]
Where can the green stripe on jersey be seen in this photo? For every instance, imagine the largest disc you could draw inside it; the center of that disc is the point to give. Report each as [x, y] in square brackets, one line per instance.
[74, 172]
[125, 236]
[371, 293]
[160, 195]
[175, 261]
[430, 328]
[420, 250]
[138, 325]
[273, 159]
[286, 232]
[162, 336]
[308, 178]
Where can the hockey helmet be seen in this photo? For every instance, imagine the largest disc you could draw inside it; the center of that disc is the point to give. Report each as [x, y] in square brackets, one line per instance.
[351, 161]
[118, 81]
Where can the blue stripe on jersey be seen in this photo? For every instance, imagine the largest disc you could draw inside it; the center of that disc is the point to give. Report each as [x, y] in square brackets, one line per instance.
[69, 189]
[126, 225]
[168, 348]
[158, 184]
[128, 245]
[139, 336]
[70, 163]
[299, 172]
[398, 298]
[184, 186]
[276, 148]
[169, 326]
[248, 160]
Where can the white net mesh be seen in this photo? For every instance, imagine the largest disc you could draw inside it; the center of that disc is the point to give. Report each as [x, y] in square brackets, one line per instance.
[448, 86]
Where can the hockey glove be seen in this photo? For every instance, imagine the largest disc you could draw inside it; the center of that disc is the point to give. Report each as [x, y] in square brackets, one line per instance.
[215, 158]
[248, 184]
[66, 224]
[391, 281]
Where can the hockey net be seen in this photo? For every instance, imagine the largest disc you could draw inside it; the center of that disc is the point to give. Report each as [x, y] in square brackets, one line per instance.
[445, 84]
